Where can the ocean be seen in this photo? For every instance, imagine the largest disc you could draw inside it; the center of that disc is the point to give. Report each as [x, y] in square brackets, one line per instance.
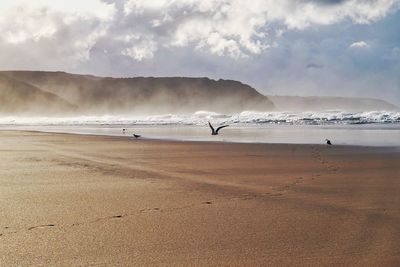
[372, 128]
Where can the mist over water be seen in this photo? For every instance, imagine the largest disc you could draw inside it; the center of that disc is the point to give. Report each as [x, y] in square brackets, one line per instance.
[202, 117]
[373, 128]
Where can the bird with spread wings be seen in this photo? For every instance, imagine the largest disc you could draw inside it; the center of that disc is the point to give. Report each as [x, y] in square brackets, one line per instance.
[215, 131]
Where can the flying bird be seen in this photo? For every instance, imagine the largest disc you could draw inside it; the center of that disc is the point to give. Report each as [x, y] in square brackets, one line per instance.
[136, 136]
[215, 132]
[328, 142]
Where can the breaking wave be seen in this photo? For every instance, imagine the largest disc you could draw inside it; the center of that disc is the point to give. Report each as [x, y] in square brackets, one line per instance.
[201, 117]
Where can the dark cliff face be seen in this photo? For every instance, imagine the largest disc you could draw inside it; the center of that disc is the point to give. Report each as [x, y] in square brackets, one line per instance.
[97, 95]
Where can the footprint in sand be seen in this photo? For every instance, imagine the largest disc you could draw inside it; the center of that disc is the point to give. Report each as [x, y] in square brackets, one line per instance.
[276, 195]
[298, 181]
[248, 196]
[41, 226]
[150, 210]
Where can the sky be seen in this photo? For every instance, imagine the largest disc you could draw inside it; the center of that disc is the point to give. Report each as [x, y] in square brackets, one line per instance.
[286, 47]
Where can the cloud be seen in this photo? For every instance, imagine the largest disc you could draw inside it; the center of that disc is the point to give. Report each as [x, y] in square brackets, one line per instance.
[238, 29]
[45, 36]
[225, 28]
[140, 48]
[359, 44]
[90, 8]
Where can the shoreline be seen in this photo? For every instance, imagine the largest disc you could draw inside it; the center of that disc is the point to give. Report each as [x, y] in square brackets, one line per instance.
[195, 141]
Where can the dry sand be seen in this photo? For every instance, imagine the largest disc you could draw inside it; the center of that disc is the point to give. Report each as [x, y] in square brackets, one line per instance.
[70, 200]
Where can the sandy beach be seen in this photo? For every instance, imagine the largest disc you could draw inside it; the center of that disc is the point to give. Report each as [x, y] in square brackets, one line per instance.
[75, 200]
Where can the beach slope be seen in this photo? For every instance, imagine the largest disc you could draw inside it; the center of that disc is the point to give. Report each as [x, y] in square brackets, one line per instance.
[73, 200]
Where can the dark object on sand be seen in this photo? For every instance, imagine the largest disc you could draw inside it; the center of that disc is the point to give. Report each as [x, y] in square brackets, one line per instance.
[123, 130]
[215, 132]
[136, 136]
[328, 142]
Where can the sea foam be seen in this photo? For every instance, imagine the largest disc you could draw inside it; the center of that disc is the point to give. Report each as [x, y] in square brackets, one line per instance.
[201, 117]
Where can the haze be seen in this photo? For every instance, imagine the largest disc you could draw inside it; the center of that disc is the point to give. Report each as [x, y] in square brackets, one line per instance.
[308, 47]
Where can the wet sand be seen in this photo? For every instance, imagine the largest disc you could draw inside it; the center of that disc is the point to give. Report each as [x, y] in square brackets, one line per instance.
[72, 200]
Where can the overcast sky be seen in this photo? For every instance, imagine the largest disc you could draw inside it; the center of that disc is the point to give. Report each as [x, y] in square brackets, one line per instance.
[290, 47]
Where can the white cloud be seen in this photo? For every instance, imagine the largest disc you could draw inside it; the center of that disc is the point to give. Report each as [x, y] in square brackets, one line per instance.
[46, 32]
[302, 14]
[360, 44]
[239, 29]
[90, 8]
[225, 28]
[140, 6]
[140, 48]
[221, 46]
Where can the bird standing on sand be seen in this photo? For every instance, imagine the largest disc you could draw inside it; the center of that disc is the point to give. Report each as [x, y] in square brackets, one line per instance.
[328, 142]
[136, 136]
[215, 132]
[123, 131]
